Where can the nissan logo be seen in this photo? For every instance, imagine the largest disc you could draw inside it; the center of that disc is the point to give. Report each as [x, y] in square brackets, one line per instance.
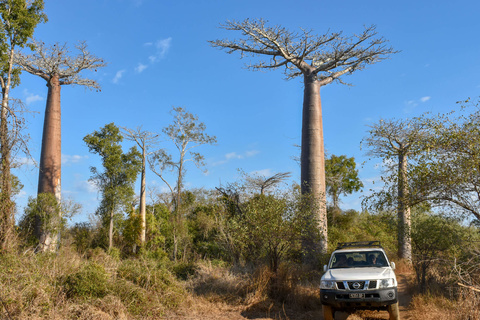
[356, 285]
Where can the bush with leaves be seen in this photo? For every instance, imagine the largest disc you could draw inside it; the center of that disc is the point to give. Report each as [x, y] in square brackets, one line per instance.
[43, 211]
[90, 281]
[440, 243]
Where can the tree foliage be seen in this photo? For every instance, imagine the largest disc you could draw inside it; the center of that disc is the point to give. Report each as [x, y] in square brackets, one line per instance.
[119, 175]
[449, 173]
[341, 177]
[19, 20]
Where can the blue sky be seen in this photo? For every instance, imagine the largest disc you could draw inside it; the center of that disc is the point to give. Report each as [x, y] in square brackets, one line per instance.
[158, 57]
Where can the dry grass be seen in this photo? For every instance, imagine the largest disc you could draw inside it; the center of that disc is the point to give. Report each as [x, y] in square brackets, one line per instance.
[35, 287]
[465, 307]
[60, 286]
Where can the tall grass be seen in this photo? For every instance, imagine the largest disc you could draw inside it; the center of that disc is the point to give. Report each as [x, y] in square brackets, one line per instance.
[68, 286]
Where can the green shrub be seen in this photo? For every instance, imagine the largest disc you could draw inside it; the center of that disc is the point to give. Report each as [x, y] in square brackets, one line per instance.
[90, 281]
[184, 270]
[153, 276]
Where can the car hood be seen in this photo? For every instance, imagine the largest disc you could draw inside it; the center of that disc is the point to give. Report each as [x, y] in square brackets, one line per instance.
[346, 274]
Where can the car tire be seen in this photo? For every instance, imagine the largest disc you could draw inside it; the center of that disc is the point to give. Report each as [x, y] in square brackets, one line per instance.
[328, 313]
[393, 311]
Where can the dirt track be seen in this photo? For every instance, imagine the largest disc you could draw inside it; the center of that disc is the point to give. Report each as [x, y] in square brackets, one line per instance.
[226, 312]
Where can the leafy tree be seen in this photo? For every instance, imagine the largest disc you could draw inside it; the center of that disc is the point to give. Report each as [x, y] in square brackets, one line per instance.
[449, 173]
[341, 177]
[395, 141]
[44, 211]
[19, 20]
[119, 175]
[144, 140]
[45, 220]
[320, 60]
[186, 133]
[435, 240]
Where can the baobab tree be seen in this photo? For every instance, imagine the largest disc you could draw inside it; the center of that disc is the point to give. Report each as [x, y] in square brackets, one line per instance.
[18, 22]
[57, 67]
[395, 141]
[320, 60]
[144, 140]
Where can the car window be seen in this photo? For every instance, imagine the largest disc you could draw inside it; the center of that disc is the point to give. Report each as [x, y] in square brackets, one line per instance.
[360, 259]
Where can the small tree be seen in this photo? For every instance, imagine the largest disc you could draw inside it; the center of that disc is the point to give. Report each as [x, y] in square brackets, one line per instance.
[434, 239]
[144, 140]
[186, 133]
[119, 175]
[262, 183]
[19, 20]
[341, 178]
[319, 60]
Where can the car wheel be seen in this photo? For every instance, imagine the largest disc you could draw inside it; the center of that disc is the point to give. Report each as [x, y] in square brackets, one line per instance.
[328, 313]
[393, 311]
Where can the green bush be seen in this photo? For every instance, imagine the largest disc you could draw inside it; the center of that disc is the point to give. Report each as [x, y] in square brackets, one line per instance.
[90, 281]
[184, 270]
[150, 275]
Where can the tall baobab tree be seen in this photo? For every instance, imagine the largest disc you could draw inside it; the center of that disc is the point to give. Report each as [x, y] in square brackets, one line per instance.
[320, 60]
[395, 141]
[144, 140]
[18, 22]
[57, 67]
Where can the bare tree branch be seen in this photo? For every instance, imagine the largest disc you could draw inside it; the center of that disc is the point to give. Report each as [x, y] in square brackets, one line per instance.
[328, 56]
[48, 61]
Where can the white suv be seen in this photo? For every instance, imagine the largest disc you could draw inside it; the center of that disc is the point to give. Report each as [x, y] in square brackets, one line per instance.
[359, 276]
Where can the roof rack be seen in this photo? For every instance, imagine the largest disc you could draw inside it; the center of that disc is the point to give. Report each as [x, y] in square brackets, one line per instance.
[358, 244]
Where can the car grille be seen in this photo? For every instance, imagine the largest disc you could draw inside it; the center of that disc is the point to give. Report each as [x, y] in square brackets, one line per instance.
[357, 285]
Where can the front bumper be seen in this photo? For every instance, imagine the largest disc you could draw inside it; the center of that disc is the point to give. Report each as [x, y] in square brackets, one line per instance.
[374, 299]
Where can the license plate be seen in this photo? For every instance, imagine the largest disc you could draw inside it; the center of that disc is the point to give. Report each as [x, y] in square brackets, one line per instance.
[356, 295]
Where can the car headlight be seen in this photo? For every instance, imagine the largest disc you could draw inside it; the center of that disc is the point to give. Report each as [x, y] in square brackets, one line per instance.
[387, 283]
[327, 284]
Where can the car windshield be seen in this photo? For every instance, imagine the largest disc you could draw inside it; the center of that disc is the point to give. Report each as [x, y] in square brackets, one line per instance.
[360, 259]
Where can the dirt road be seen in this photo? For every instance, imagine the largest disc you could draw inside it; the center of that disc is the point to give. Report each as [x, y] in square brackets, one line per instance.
[226, 312]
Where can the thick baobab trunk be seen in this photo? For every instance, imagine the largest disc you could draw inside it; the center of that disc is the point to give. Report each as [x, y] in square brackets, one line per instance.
[49, 180]
[312, 156]
[404, 220]
[142, 202]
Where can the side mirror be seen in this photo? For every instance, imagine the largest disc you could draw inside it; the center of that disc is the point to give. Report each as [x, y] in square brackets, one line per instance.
[325, 268]
[393, 265]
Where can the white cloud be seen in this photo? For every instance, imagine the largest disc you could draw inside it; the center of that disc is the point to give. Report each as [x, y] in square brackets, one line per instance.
[30, 97]
[118, 76]
[86, 186]
[234, 156]
[162, 47]
[27, 161]
[410, 105]
[69, 159]
[140, 68]
[251, 153]
[424, 99]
